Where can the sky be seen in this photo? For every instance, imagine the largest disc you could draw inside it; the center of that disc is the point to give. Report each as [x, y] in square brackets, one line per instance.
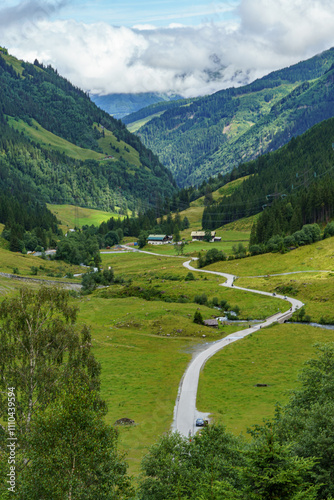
[188, 47]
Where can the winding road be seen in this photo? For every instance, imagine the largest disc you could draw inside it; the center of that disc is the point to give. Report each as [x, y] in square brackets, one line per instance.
[185, 412]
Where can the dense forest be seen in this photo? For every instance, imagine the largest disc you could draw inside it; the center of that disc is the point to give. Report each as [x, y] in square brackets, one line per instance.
[216, 133]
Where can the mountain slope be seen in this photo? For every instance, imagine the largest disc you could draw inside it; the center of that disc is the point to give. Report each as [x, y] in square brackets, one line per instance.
[216, 133]
[290, 187]
[66, 148]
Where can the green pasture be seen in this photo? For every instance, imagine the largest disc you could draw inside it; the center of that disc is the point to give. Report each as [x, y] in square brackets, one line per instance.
[11, 260]
[273, 356]
[315, 290]
[144, 348]
[229, 239]
[307, 283]
[148, 271]
[135, 126]
[226, 190]
[316, 257]
[245, 224]
[49, 140]
[109, 143]
[195, 212]
[12, 61]
[71, 216]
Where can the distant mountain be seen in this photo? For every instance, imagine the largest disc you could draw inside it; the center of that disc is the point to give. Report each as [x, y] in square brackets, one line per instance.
[199, 138]
[121, 105]
[58, 144]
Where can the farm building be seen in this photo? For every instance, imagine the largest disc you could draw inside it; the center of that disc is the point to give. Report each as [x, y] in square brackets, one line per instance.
[158, 239]
[199, 235]
[211, 322]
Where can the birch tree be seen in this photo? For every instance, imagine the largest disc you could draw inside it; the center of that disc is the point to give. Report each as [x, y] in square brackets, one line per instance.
[40, 347]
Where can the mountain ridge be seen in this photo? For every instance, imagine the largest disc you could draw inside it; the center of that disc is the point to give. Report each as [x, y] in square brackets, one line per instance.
[96, 162]
[215, 133]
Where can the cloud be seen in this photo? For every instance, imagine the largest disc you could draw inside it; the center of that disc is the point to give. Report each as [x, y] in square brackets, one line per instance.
[100, 58]
[30, 11]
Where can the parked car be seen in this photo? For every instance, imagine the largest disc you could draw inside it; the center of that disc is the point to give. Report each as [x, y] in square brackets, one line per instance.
[200, 422]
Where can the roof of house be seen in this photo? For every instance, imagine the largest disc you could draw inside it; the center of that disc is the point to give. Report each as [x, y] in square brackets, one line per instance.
[202, 233]
[211, 322]
[157, 237]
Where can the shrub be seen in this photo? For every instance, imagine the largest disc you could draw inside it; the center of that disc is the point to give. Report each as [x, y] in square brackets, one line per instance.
[201, 299]
[255, 249]
[190, 277]
[224, 305]
[329, 230]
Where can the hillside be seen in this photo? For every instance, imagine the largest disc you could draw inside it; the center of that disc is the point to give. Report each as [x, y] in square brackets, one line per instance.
[290, 187]
[199, 138]
[65, 149]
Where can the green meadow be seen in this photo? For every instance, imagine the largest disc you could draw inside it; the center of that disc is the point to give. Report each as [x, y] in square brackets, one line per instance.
[229, 239]
[309, 278]
[110, 145]
[71, 216]
[144, 336]
[273, 356]
[10, 262]
[134, 126]
[42, 136]
[144, 348]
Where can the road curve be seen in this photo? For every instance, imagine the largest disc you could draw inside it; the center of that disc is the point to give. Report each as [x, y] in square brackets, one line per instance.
[185, 412]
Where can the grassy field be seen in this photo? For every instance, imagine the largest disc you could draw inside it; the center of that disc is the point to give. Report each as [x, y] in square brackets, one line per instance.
[133, 329]
[316, 257]
[308, 284]
[143, 359]
[70, 216]
[45, 268]
[110, 144]
[273, 356]
[134, 126]
[195, 211]
[229, 239]
[42, 136]
[144, 346]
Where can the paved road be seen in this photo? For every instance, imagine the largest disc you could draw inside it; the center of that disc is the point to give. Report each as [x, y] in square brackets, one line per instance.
[185, 412]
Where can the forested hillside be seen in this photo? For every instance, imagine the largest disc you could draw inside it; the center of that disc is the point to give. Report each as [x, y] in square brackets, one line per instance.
[67, 150]
[216, 133]
[291, 187]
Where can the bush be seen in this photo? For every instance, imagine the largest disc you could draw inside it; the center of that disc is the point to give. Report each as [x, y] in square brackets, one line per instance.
[91, 280]
[255, 249]
[34, 270]
[210, 257]
[215, 302]
[201, 299]
[190, 277]
[329, 230]
[224, 305]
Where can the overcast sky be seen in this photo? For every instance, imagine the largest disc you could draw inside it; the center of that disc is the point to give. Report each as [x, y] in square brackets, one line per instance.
[191, 47]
